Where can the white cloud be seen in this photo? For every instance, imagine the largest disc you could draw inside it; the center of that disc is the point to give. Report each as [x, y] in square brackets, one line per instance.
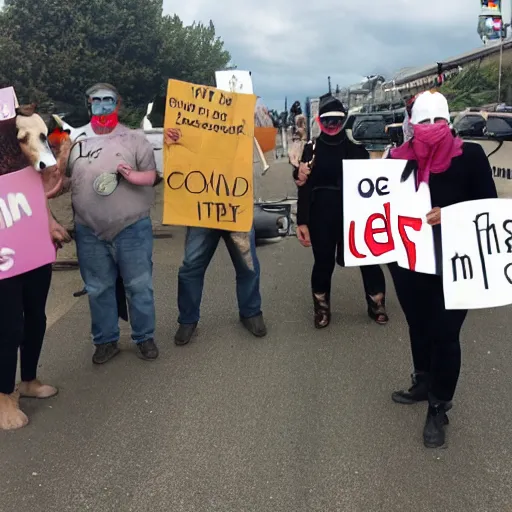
[291, 46]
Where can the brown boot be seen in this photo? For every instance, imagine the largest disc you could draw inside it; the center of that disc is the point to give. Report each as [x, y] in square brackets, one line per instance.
[11, 417]
[35, 389]
[322, 308]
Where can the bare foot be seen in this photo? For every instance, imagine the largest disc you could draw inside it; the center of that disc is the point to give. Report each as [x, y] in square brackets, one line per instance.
[34, 389]
[11, 417]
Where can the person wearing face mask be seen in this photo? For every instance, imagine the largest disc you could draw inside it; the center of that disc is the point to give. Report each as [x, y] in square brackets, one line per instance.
[320, 212]
[112, 173]
[455, 171]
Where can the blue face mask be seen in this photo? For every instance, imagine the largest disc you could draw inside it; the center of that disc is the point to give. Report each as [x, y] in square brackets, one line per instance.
[102, 105]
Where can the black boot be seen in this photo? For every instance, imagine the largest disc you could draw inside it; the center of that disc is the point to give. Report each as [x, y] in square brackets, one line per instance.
[418, 392]
[184, 334]
[148, 350]
[437, 419]
[105, 352]
[322, 309]
[255, 325]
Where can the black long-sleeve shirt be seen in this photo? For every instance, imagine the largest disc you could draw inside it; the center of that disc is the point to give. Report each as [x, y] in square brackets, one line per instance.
[468, 178]
[326, 172]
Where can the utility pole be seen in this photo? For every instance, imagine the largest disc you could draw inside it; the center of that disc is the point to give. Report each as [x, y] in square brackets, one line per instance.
[329, 82]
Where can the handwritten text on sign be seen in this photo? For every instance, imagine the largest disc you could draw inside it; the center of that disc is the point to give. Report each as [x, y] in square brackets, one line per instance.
[385, 219]
[209, 172]
[477, 254]
[25, 242]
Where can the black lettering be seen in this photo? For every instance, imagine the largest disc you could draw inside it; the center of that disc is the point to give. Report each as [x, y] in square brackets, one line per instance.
[199, 210]
[232, 130]
[200, 92]
[176, 174]
[382, 190]
[508, 277]
[179, 121]
[234, 210]
[508, 241]
[240, 129]
[202, 111]
[369, 192]
[204, 184]
[212, 94]
[466, 265]
[216, 115]
[243, 181]
[91, 155]
[221, 180]
[221, 210]
[487, 229]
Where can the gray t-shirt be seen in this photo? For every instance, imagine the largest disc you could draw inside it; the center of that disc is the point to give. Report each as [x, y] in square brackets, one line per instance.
[90, 157]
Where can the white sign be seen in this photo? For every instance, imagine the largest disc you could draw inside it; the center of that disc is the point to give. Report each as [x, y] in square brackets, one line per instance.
[384, 219]
[477, 254]
[234, 81]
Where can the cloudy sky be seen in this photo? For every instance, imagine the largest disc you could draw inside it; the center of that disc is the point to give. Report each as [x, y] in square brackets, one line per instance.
[292, 46]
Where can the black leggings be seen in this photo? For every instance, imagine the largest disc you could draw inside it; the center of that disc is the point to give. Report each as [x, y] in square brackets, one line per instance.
[325, 230]
[434, 331]
[22, 324]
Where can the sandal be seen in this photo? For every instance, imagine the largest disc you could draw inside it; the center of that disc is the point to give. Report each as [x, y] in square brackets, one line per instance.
[377, 310]
[322, 310]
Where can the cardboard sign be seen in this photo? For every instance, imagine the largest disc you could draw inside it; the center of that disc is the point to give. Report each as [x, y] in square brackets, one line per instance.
[234, 81]
[25, 242]
[477, 254]
[385, 219]
[209, 173]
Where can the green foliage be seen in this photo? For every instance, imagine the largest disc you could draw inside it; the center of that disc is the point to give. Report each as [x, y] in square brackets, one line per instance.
[55, 50]
[477, 86]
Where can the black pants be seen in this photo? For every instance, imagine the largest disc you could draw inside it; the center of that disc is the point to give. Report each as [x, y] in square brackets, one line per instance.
[22, 324]
[325, 230]
[434, 331]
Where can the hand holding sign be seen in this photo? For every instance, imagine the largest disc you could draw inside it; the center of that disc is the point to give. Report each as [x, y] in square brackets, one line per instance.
[434, 216]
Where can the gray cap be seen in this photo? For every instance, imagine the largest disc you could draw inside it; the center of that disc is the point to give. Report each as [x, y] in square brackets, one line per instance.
[99, 86]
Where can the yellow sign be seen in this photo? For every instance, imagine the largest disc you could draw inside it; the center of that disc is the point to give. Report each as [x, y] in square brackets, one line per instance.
[209, 172]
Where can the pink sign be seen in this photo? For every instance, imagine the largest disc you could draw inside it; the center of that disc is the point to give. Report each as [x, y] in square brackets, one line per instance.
[25, 242]
[8, 104]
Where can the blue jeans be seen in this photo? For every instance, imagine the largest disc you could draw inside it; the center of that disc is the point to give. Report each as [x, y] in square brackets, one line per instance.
[200, 246]
[130, 254]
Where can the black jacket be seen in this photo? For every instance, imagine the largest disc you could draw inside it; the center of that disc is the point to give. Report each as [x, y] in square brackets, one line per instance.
[326, 172]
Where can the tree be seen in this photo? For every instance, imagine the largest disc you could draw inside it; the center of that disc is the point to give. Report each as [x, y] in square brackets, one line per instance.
[192, 53]
[55, 50]
[476, 86]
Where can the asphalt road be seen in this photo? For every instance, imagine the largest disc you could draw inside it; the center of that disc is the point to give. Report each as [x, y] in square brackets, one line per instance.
[300, 421]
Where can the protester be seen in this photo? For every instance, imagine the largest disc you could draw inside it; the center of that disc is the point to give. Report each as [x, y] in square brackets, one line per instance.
[320, 212]
[455, 171]
[200, 246]
[113, 172]
[23, 297]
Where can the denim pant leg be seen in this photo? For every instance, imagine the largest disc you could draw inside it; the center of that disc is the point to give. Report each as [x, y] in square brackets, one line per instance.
[242, 249]
[99, 273]
[200, 246]
[134, 254]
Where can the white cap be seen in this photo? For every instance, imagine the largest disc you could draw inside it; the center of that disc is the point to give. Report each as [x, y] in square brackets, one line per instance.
[430, 106]
[334, 113]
